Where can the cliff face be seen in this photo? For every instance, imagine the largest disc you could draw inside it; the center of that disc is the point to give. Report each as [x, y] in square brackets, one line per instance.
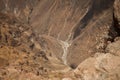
[49, 38]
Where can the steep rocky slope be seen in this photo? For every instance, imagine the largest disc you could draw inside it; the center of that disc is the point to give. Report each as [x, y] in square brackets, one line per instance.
[59, 39]
[76, 24]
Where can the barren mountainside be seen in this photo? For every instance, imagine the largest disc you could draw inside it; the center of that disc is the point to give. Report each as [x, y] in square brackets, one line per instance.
[59, 39]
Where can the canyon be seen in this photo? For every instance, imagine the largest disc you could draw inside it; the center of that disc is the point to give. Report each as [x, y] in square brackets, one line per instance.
[59, 39]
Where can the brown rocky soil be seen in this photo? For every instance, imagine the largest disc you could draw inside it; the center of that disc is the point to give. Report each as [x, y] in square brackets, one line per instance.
[59, 39]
